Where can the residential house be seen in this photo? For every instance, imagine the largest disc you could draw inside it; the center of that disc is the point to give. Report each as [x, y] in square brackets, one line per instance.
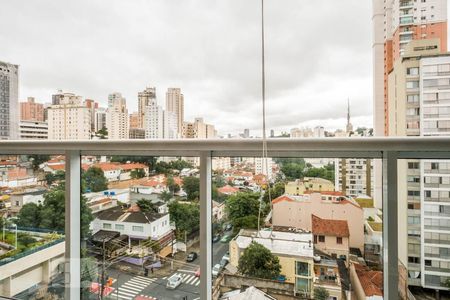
[218, 210]
[294, 251]
[16, 177]
[296, 212]
[331, 236]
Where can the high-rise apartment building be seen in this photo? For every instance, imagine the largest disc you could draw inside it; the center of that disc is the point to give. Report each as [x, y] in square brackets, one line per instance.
[92, 105]
[117, 119]
[31, 111]
[354, 176]
[100, 119]
[198, 130]
[145, 98]
[9, 101]
[70, 119]
[395, 24]
[175, 104]
[419, 93]
[134, 120]
[154, 121]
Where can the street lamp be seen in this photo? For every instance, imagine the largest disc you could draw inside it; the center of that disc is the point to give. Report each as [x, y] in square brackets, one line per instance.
[15, 225]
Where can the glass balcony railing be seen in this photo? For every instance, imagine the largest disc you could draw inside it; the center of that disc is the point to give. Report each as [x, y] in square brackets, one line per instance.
[177, 219]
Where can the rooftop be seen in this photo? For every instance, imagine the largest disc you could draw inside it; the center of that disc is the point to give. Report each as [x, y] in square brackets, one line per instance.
[371, 281]
[130, 216]
[329, 227]
[281, 243]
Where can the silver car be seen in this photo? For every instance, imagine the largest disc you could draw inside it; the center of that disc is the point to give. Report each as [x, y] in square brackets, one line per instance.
[216, 270]
[174, 281]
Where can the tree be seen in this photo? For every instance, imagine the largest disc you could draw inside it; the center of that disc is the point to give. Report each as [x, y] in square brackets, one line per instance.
[29, 216]
[191, 186]
[137, 173]
[185, 216]
[165, 196]
[102, 133]
[180, 164]
[51, 213]
[320, 293]
[219, 181]
[292, 168]
[50, 178]
[149, 161]
[37, 160]
[162, 167]
[25, 239]
[94, 180]
[258, 261]
[146, 205]
[172, 185]
[242, 210]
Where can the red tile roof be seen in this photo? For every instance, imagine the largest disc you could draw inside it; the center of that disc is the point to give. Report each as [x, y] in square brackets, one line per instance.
[57, 167]
[227, 189]
[282, 198]
[328, 193]
[132, 166]
[329, 227]
[371, 281]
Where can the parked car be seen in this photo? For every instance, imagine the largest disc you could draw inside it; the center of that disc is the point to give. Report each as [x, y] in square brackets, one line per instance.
[226, 238]
[197, 273]
[226, 257]
[216, 238]
[216, 270]
[191, 257]
[174, 281]
[228, 227]
[223, 262]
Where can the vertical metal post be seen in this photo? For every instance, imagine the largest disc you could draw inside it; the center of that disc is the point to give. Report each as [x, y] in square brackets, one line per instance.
[205, 227]
[72, 227]
[390, 225]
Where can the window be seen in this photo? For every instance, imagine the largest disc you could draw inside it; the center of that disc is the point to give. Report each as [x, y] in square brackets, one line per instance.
[138, 228]
[321, 239]
[412, 71]
[315, 239]
[119, 227]
[338, 240]
[107, 226]
[412, 84]
[428, 262]
[301, 268]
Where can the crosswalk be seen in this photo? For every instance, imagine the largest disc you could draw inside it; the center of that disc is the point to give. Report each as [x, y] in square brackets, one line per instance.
[188, 279]
[130, 289]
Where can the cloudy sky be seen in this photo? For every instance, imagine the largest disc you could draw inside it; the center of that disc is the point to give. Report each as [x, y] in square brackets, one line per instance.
[318, 53]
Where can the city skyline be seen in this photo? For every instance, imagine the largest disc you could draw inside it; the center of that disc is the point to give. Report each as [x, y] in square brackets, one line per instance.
[207, 70]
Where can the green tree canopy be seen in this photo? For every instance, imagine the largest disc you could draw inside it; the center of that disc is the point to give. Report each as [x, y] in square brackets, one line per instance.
[292, 168]
[243, 209]
[51, 213]
[185, 216]
[191, 185]
[180, 164]
[165, 196]
[137, 173]
[320, 293]
[29, 216]
[94, 180]
[325, 172]
[38, 159]
[172, 185]
[258, 261]
[102, 133]
[146, 205]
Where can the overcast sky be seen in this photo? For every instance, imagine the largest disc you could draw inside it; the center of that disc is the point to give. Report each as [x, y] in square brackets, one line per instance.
[318, 53]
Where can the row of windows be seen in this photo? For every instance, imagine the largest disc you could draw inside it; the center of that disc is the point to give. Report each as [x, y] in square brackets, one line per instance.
[437, 236]
[321, 239]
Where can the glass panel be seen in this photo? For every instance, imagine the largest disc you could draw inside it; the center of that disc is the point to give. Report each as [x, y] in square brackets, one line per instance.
[321, 225]
[143, 236]
[32, 202]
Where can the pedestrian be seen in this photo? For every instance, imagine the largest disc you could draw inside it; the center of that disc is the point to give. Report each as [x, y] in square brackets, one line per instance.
[146, 272]
[151, 269]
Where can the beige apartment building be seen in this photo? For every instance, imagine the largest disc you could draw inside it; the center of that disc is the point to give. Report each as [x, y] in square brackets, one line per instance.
[175, 104]
[301, 186]
[145, 98]
[419, 94]
[31, 111]
[70, 119]
[296, 212]
[117, 119]
[198, 130]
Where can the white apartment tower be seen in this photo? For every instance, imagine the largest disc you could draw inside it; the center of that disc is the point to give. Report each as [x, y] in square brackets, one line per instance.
[9, 101]
[70, 119]
[154, 121]
[175, 104]
[117, 120]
